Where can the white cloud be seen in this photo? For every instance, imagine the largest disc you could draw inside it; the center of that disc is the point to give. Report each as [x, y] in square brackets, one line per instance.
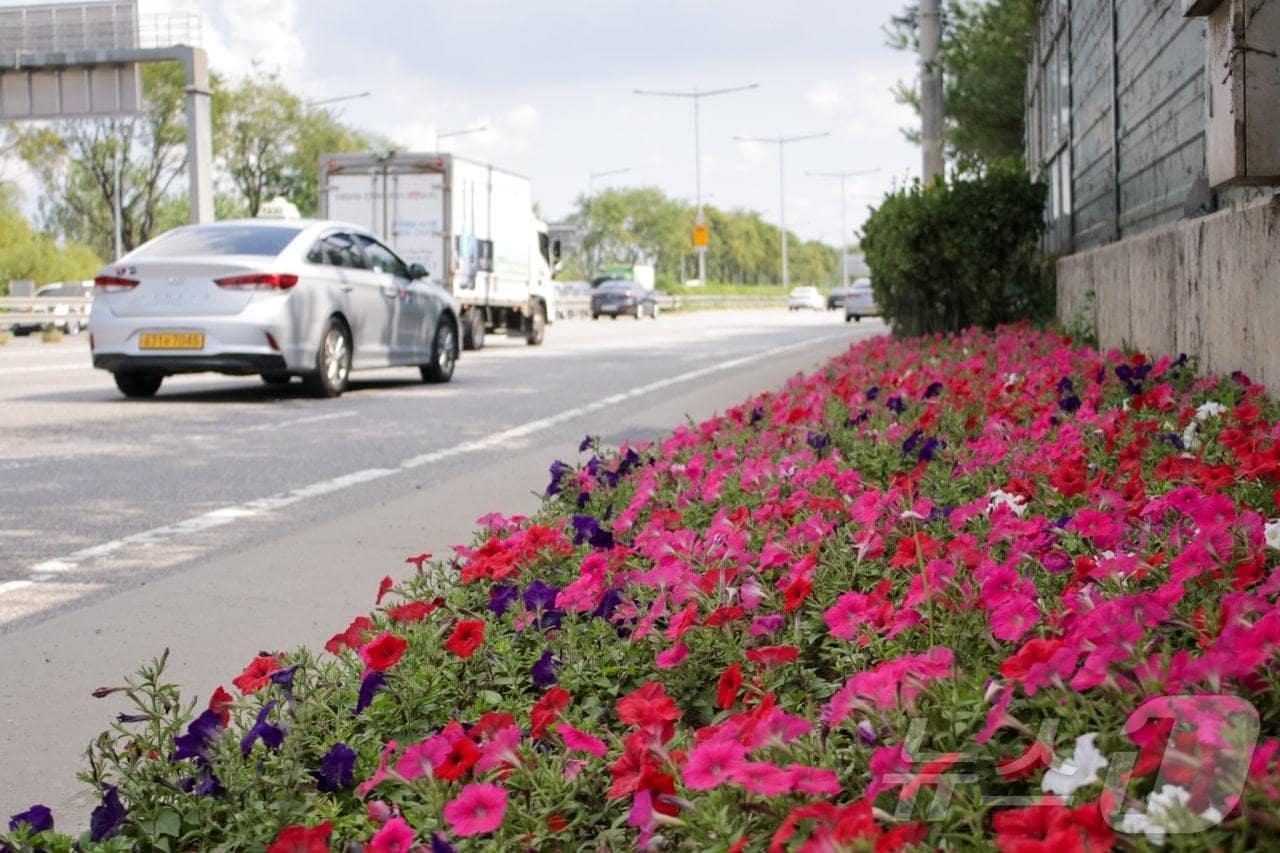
[828, 97]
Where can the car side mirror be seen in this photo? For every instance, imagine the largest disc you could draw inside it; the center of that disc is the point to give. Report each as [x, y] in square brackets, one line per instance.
[417, 271]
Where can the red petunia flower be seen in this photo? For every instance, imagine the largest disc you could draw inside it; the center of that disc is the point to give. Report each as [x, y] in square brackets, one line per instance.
[303, 839]
[461, 757]
[220, 704]
[467, 636]
[728, 687]
[547, 710]
[257, 673]
[414, 611]
[417, 560]
[384, 652]
[767, 656]
[351, 638]
[384, 587]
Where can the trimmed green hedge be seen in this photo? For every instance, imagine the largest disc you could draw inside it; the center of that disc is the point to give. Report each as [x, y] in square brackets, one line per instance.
[960, 253]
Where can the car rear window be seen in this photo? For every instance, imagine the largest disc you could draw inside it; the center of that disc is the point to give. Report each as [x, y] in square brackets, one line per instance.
[266, 240]
[614, 287]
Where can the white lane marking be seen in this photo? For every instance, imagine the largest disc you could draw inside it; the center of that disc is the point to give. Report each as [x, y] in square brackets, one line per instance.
[299, 421]
[227, 515]
[43, 368]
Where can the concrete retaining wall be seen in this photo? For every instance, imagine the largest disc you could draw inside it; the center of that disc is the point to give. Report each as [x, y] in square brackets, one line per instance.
[1209, 287]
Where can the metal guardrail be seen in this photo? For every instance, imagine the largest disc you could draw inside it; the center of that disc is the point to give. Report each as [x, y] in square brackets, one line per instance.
[569, 307]
[34, 310]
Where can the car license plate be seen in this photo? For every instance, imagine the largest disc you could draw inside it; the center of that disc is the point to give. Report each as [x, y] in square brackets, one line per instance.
[171, 340]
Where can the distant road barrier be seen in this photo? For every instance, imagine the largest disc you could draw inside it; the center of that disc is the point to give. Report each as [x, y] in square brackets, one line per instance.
[38, 310]
[569, 307]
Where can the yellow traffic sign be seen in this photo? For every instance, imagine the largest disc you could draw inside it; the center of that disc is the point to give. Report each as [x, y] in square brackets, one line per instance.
[700, 236]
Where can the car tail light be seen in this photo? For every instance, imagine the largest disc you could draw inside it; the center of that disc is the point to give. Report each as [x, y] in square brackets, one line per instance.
[258, 281]
[114, 283]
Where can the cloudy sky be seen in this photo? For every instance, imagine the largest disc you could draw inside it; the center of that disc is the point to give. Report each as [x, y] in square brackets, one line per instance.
[553, 81]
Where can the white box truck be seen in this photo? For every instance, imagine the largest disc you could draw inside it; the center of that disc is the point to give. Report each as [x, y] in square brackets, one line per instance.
[470, 224]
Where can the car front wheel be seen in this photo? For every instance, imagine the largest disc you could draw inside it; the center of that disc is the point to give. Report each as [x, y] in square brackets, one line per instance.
[333, 362]
[138, 384]
[444, 354]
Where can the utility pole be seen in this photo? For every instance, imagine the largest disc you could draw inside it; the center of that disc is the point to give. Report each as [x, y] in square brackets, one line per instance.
[844, 225]
[931, 105]
[781, 141]
[696, 96]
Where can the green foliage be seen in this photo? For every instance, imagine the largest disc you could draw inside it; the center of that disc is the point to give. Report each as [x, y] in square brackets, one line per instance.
[27, 255]
[643, 225]
[985, 50]
[960, 253]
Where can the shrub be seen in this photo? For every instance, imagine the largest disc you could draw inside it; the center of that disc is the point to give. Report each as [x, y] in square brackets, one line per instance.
[960, 253]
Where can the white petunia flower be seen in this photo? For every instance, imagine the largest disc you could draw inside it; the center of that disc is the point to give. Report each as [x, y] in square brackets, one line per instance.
[1189, 439]
[1271, 533]
[1076, 772]
[1017, 503]
[1135, 822]
[1209, 410]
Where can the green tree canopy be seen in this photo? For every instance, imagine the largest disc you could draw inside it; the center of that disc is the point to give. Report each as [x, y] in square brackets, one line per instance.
[986, 47]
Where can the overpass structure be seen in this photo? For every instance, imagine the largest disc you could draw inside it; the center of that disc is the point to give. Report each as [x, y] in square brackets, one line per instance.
[81, 60]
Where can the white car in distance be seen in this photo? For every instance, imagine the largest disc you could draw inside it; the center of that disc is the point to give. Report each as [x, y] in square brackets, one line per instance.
[805, 297]
[315, 299]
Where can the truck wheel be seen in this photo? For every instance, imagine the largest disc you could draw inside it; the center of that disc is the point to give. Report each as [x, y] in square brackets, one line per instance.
[444, 354]
[473, 329]
[333, 362]
[137, 384]
[537, 326]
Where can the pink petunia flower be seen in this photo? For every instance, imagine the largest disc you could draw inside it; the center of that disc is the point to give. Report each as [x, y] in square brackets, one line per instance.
[580, 740]
[761, 777]
[479, 809]
[712, 763]
[396, 836]
[672, 657]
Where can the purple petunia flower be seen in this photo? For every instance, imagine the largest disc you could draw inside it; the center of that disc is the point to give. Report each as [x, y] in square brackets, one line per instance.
[934, 389]
[757, 415]
[107, 819]
[1069, 404]
[609, 602]
[210, 785]
[284, 677]
[1065, 385]
[501, 597]
[370, 687]
[930, 447]
[544, 671]
[895, 404]
[337, 769]
[38, 818]
[540, 595]
[585, 444]
[819, 441]
[440, 844]
[909, 446]
[271, 735]
[587, 529]
[200, 734]
[873, 392]
[558, 470]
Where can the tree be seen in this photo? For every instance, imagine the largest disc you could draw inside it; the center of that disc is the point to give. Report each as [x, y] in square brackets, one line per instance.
[986, 47]
[75, 162]
[27, 255]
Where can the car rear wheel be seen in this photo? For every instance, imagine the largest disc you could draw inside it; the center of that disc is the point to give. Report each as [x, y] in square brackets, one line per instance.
[444, 354]
[276, 378]
[333, 362]
[138, 384]
[537, 330]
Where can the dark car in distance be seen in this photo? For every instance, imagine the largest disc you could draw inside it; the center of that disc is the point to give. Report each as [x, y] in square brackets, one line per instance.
[620, 296]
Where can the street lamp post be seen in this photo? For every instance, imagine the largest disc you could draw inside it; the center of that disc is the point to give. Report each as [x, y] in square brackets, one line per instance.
[335, 99]
[463, 132]
[781, 141]
[844, 226]
[696, 95]
[591, 179]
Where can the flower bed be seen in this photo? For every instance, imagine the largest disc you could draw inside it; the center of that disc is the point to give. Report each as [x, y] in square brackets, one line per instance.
[995, 590]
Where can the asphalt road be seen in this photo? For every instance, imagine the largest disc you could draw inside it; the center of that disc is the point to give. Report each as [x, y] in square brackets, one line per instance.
[226, 516]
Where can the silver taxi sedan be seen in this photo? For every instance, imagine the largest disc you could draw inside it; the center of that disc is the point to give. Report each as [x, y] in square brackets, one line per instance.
[278, 298]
